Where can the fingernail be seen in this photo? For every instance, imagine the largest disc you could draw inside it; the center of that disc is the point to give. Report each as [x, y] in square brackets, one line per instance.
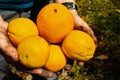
[81, 63]
[68, 67]
[50, 74]
[15, 56]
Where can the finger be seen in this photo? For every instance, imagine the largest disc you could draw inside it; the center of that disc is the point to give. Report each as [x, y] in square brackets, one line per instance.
[7, 47]
[82, 25]
[41, 72]
[11, 52]
[90, 32]
[81, 63]
[1, 19]
[94, 38]
[68, 67]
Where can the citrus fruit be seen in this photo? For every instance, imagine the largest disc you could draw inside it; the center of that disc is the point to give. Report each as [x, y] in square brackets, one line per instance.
[56, 60]
[78, 45]
[19, 28]
[33, 51]
[54, 21]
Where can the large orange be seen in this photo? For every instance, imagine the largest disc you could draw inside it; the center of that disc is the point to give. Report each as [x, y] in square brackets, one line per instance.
[54, 21]
[33, 51]
[56, 60]
[19, 28]
[78, 45]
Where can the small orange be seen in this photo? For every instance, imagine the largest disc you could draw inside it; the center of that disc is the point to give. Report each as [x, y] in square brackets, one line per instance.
[56, 60]
[54, 21]
[33, 51]
[19, 28]
[78, 45]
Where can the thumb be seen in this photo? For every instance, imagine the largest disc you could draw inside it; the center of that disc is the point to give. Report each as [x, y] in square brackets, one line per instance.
[11, 52]
[41, 72]
[8, 49]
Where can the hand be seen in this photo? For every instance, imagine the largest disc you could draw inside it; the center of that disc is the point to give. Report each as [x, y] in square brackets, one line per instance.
[78, 21]
[80, 24]
[11, 52]
[61, 1]
[5, 45]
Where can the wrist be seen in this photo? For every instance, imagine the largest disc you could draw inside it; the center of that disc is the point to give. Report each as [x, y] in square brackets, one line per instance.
[70, 5]
[62, 1]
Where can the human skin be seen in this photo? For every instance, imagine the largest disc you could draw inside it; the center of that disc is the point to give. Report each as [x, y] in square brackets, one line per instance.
[79, 23]
[11, 52]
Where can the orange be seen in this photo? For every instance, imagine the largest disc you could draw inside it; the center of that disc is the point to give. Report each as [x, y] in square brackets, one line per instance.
[54, 21]
[78, 45]
[33, 51]
[19, 28]
[56, 60]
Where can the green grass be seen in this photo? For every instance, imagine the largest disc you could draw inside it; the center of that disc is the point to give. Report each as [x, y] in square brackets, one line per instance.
[103, 16]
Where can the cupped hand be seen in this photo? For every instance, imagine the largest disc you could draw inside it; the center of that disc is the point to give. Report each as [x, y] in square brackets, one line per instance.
[78, 21]
[80, 24]
[5, 44]
[11, 52]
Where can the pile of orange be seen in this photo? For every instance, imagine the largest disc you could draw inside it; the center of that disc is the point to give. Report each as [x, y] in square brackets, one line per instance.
[54, 25]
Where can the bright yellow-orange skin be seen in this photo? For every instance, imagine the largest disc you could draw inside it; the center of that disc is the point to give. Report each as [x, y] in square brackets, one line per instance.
[33, 51]
[78, 45]
[54, 21]
[56, 60]
[19, 28]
